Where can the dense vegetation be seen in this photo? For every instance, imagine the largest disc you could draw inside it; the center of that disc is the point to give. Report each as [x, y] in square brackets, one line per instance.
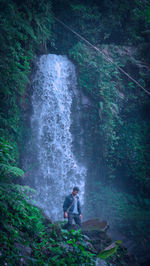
[25, 27]
[116, 126]
[116, 123]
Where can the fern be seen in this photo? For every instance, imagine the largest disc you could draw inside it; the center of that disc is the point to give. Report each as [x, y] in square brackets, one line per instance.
[6, 160]
[8, 169]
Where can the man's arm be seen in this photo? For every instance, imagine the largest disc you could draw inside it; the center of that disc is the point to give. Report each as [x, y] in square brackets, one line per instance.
[79, 207]
[65, 205]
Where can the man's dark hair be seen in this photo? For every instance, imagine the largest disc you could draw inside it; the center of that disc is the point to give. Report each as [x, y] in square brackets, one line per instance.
[76, 189]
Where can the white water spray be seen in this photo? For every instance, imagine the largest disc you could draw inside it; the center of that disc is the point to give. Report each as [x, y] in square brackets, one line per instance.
[55, 170]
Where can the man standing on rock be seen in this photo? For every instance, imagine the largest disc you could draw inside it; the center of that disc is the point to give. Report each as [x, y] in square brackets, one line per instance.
[72, 208]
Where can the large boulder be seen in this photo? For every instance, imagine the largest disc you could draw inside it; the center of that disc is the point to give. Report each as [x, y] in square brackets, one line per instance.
[95, 230]
[95, 224]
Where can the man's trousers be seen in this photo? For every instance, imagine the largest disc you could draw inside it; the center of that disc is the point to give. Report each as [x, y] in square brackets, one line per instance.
[71, 217]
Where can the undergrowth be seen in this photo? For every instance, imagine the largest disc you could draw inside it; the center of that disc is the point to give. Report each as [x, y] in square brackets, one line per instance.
[26, 238]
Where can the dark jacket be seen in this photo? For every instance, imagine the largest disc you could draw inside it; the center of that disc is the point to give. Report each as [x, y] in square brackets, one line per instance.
[69, 202]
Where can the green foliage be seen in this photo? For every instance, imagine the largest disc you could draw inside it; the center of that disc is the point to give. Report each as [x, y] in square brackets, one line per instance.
[24, 28]
[116, 114]
[7, 161]
[124, 211]
[117, 123]
[77, 245]
[22, 225]
[110, 250]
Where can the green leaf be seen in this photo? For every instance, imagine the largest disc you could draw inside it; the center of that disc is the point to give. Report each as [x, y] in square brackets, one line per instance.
[11, 169]
[110, 250]
[107, 253]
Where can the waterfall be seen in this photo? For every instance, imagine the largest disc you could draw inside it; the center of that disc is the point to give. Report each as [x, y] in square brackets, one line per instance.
[54, 168]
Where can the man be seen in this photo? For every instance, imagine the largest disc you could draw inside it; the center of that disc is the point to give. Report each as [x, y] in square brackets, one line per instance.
[72, 208]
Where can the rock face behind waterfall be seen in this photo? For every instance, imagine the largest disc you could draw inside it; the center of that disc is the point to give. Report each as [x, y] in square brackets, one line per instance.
[51, 167]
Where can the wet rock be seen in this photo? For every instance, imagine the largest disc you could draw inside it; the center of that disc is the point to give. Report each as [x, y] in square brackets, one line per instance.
[95, 224]
[99, 240]
[100, 262]
[96, 229]
[23, 250]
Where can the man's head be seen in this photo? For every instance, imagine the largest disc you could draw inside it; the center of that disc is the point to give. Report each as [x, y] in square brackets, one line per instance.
[75, 191]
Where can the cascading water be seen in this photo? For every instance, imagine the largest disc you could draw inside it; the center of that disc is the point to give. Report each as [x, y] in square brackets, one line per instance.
[54, 170]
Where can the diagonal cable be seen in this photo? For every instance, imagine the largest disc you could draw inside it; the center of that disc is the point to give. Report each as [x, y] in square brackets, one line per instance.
[106, 57]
